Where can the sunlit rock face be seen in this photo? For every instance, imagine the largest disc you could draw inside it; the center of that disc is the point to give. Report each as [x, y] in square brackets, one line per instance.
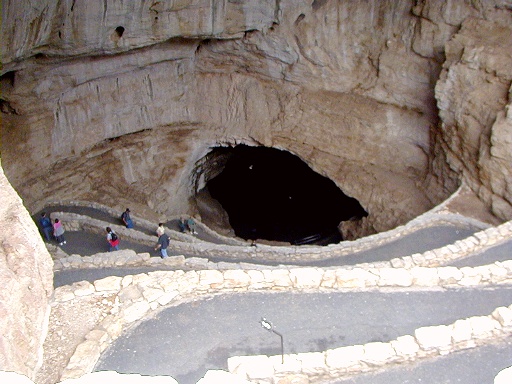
[396, 102]
[474, 97]
[26, 273]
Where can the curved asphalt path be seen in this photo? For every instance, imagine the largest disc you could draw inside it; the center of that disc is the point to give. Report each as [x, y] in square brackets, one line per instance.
[474, 366]
[109, 219]
[499, 252]
[87, 244]
[187, 340]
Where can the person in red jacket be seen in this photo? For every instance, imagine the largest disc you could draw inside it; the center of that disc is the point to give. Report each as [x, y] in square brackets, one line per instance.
[112, 239]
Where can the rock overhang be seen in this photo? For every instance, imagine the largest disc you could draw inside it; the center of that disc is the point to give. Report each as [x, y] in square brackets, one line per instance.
[358, 108]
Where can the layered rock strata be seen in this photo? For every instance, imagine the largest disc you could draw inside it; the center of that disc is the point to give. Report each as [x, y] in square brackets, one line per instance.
[126, 100]
[121, 102]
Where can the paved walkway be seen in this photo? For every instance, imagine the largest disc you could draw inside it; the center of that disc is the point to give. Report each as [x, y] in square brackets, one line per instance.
[419, 241]
[500, 252]
[87, 244]
[473, 366]
[110, 219]
[185, 341]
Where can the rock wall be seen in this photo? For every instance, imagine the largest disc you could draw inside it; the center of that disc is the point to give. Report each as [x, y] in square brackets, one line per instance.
[72, 28]
[26, 273]
[396, 101]
[121, 102]
[474, 93]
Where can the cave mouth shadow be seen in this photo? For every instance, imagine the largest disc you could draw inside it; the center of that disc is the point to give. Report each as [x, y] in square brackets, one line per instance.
[273, 195]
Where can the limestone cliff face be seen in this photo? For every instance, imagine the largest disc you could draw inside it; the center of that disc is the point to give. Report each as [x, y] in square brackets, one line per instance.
[26, 275]
[474, 93]
[73, 28]
[122, 101]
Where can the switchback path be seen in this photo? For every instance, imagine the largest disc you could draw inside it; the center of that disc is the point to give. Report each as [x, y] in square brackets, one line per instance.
[500, 252]
[187, 340]
[87, 244]
[472, 366]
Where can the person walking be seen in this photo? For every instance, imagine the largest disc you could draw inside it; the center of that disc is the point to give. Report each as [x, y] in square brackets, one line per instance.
[112, 239]
[125, 217]
[58, 232]
[46, 226]
[160, 230]
[162, 244]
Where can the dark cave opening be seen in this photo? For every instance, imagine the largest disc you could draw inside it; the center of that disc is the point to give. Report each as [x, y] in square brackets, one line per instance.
[273, 195]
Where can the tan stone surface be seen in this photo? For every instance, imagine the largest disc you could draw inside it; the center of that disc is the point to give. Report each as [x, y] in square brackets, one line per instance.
[473, 97]
[26, 275]
[55, 28]
[355, 102]
[224, 377]
[395, 103]
[69, 324]
[344, 357]
[434, 337]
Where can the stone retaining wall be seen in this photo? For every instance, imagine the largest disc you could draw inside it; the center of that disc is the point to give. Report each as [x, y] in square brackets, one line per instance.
[355, 359]
[135, 297]
[148, 224]
[432, 258]
[236, 250]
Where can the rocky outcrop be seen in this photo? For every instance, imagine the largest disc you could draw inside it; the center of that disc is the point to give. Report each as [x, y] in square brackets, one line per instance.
[70, 28]
[474, 93]
[26, 271]
[106, 101]
[127, 100]
[120, 103]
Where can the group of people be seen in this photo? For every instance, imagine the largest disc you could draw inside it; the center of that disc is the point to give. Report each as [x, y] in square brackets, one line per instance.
[56, 230]
[51, 230]
[188, 225]
[164, 239]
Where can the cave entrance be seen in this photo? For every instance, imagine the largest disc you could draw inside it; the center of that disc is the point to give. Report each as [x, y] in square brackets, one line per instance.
[273, 195]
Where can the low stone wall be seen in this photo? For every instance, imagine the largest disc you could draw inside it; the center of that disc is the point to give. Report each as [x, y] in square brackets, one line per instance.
[432, 258]
[355, 359]
[232, 249]
[135, 297]
[140, 222]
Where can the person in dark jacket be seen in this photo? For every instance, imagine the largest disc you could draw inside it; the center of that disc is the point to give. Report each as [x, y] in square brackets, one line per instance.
[127, 220]
[46, 226]
[163, 243]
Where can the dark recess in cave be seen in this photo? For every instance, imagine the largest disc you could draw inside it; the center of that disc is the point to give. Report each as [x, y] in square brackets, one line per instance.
[273, 195]
[119, 31]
